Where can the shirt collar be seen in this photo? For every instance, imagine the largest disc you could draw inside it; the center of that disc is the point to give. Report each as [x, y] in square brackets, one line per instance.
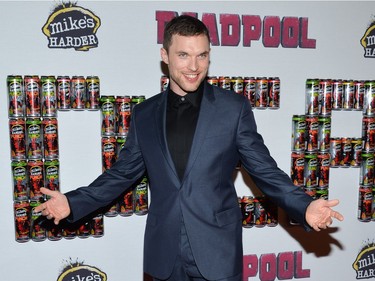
[194, 98]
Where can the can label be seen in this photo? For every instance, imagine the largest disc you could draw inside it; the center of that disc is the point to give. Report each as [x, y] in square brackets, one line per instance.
[19, 172]
[369, 99]
[22, 220]
[109, 156]
[367, 170]
[63, 92]
[141, 197]
[164, 82]
[261, 93]
[52, 172]
[359, 93]
[250, 89]
[108, 115]
[16, 97]
[337, 92]
[274, 93]
[335, 151]
[325, 98]
[36, 178]
[32, 94]
[78, 94]
[34, 143]
[224, 82]
[69, 232]
[125, 206]
[84, 230]
[368, 133]
[49, 96]
[260, 212]
[93, 92]
[298, 133]
[38, 233]
[17, 138]
[50, 138]
[312, 130]
[346, 150]
[312, 97]
[322, 193]
[248, 212]
[311, 191]
[348, 95]
[310, 171]
[356, 153]
[297, 168]
[324, 133]
[324, 161]
[97, 226]
[123, 114]
[365, 199]
[237, 85]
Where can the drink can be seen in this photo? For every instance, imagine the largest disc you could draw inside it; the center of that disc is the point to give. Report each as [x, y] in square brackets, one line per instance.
[108, 110]
[247, 209]
[22, 220]
[109, 156]
[312, 97]
[298, 132]
[84, 230]
[123, 114]
[322, 193]
[337, 95]
[356, 153]
[38, 232]
[368, 133]
[19, 174]
[213, 80]
[16, 96]
[92, 92]
[54, 232]
[224, 82]
[325, 97]
[335, 151]
[324, 133]
[34, 138]
[17, 132]
[312, 129]
[97, 226]
[311, 170]
[237, 85]
[69, 232]
[136, 100]
[63, 92]
[164, 82]
[260, 212]
[120, 142]
[369, 98]
[346, 152]
[261, 93]
[35, 175]
[125, 204]
[348, 95]
[365, 200]
[324, 161]
[112, 211]
[311, 191]
[32, 95]
[52, 174]
[297, 170]
[249, 89]
[78, 95]
[359, 93]
[141, 197]
[366, 177]
[49, 96]
[274, 92]
[50, 138]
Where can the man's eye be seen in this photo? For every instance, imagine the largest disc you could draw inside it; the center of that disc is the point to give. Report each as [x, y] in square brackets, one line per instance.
[182, 55]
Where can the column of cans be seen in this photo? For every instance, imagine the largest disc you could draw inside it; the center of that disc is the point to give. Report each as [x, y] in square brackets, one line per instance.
[33, 133]
[115, 123]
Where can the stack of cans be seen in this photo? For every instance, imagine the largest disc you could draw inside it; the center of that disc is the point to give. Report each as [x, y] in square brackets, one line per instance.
[258, 211]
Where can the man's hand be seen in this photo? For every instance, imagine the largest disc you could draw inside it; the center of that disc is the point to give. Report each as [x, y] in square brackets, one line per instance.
[56, 208]
[319, 214]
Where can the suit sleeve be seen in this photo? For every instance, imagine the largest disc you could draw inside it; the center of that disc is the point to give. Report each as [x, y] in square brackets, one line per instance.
[272, 181]
[112, 183]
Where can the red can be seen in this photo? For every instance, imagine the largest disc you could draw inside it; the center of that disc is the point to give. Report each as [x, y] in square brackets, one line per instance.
[20, 182]
[17, 138]
[368, 133]
[22, 220]
[78, 93]
[298, 133]
[224, 82]
[63, 92]
[237, 85]
[297, 168]
[108, 115]
[311, 170]
[52, 174]
[50, 138]
[261, 93]
[123, 114]
[325, 97]
[49, 96]
[92, 92]
[97, 226]
[337, 93]
[335, 151]
[247, 209]
[356, 154]
[274, 93]
[312, 91]
[141, 197]
[126, 205]
[348, 95]
[324, 133]
[346, 152]
[69, 232]
[312, 130]
[249, 89]
[324, 161]
[32, 94]
[109, 156]
[213, 80]
[34, 140]
[369, 98]
[164, 82]
[16, 96]
[38, 232]
[84, 230]
[359, 93]
[365, 199]
[260, 212]
[35, 174]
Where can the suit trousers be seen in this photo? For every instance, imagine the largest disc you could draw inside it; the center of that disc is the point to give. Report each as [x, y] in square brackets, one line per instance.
[185, 268]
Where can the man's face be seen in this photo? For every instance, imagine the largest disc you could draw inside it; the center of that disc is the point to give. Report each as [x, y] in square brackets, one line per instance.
[187, 59]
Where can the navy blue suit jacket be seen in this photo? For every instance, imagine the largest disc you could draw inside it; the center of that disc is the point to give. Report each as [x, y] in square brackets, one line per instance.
[206, 197]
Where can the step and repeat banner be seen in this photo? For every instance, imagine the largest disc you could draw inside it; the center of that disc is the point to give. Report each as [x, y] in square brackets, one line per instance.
[71, 73]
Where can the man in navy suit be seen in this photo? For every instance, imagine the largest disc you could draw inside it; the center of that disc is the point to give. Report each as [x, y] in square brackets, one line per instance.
[189, 139]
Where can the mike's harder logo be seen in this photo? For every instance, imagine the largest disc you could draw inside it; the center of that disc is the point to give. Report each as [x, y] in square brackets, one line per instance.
[368, 41]
[71, 26]
[78, 271]
[364, 264]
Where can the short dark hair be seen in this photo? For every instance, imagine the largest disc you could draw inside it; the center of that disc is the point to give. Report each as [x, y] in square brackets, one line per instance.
[183, 25]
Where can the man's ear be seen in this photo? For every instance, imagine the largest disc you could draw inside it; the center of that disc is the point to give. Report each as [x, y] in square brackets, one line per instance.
[164, 55]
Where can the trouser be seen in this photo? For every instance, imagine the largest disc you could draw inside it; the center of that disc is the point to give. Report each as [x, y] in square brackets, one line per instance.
[185, 268]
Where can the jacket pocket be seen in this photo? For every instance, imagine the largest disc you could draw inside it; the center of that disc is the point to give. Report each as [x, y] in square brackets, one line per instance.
[229, 216]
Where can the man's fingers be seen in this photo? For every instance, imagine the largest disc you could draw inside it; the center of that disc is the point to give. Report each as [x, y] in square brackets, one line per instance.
[47, 191]
[337, 216]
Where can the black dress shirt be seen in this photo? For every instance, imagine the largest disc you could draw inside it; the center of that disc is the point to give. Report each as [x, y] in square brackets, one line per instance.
[182, 117]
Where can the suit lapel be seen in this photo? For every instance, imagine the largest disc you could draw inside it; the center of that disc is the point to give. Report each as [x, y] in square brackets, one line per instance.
[206, 116]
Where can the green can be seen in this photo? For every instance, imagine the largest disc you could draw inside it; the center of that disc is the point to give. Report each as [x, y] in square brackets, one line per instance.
[51, 173]
[16, 96]
[19, 172]
[108, 115]
[48, 96]
[34, 140]
[312, 96]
